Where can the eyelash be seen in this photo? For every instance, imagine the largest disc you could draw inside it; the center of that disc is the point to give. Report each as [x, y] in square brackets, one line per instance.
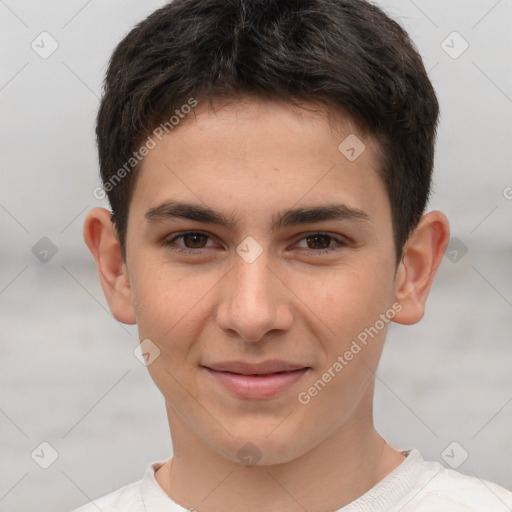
[169, 243]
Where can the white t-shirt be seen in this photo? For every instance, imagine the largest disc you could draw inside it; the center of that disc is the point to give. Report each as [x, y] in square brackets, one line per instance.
[414, 486]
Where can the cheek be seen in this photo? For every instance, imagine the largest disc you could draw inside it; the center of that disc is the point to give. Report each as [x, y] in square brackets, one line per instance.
[170, 312]
[345, 300]
[168, 303]
[350, 304]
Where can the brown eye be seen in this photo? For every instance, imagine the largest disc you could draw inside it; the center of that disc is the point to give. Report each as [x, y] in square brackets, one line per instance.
[318, 241]
[194, 240]
[321, 243]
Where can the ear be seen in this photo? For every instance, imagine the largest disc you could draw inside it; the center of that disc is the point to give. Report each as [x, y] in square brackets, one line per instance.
[421, 256]
[100, 237]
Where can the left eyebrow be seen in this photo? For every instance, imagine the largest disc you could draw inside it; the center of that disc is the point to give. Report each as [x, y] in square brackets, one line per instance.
[308, 215]
[314, 214]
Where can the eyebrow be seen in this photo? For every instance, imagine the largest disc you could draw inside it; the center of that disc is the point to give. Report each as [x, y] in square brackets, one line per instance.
[176, 209]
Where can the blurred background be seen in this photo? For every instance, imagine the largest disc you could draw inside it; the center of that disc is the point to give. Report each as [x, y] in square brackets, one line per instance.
[68, 375]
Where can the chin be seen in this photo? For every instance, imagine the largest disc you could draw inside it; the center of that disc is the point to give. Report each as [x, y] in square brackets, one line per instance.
[261, 450]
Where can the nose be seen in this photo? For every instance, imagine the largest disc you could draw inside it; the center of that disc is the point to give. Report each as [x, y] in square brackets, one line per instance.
[254, 300]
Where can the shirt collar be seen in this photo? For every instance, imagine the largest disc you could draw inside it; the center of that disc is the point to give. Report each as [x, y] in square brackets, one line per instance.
[379, 498]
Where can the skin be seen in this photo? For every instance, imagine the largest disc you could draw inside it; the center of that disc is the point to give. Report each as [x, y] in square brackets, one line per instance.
[251, 159]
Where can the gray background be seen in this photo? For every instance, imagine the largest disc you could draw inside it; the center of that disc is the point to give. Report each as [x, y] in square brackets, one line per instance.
[68, 375]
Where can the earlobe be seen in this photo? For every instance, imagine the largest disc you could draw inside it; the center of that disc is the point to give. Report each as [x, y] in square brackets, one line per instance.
[421, 258]
[99, 235]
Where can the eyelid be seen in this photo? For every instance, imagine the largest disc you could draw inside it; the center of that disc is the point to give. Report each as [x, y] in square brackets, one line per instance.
[167, 241]
[340, 242]
[305, 234]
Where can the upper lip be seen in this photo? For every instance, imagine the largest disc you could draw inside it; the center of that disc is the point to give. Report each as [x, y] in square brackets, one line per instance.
[262, 368]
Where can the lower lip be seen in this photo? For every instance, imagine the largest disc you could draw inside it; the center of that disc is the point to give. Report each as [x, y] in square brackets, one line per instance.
[257, 386]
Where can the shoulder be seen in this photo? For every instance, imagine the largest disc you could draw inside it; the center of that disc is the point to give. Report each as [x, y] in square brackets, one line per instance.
[442, 489]
[127, 498]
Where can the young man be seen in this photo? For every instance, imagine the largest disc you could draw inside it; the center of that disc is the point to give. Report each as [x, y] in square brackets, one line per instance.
[268, 165]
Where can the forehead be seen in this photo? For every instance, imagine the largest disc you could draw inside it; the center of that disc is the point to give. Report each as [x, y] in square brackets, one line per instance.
[254, 156]
[270, 120]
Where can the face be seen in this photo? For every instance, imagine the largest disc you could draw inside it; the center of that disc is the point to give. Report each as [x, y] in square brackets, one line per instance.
[283, 252]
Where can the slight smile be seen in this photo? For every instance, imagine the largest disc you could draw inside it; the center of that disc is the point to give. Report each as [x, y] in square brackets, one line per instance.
[256, 381]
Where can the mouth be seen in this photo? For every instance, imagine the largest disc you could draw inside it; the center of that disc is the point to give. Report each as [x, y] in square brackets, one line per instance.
[261, 381]
[262, 368]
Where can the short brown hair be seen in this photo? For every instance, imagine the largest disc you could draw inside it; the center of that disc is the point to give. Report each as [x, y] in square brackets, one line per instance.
[347, 54]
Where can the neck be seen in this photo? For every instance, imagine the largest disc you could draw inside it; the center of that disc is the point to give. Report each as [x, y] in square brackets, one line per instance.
[344, 466]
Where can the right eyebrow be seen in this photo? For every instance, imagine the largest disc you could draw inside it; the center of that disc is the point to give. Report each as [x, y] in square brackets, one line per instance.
[177, 209]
